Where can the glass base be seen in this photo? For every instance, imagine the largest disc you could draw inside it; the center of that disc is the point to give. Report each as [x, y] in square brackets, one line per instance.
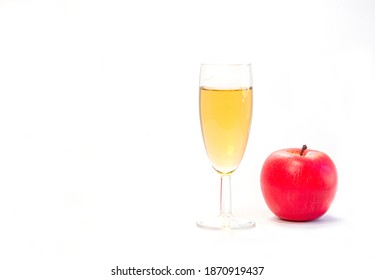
[225, 222]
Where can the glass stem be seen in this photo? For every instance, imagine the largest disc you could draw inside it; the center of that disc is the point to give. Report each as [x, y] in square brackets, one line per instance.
[225, 196]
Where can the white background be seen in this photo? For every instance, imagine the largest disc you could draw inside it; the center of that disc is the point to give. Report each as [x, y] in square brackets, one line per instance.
[101, 157]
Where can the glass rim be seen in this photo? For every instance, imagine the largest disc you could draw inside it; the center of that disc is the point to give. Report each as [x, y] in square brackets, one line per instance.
[229, 63]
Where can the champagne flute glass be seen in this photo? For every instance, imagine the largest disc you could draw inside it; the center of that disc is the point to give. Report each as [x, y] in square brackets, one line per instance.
[226, 105]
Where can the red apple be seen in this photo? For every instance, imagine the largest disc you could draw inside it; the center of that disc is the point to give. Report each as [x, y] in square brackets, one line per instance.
[298, 184]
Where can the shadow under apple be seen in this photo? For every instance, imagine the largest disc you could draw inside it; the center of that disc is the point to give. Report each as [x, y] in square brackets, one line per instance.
[326, 220]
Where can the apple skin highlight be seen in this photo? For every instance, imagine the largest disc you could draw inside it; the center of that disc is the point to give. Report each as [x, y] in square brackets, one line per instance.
[298, 187]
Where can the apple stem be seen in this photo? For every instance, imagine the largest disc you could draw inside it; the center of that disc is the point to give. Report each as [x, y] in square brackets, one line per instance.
[304, 147]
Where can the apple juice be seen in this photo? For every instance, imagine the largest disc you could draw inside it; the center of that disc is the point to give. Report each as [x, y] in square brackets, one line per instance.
[225, 116]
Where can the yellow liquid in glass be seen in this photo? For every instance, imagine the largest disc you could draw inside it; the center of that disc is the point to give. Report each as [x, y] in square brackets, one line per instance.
[225, 116]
